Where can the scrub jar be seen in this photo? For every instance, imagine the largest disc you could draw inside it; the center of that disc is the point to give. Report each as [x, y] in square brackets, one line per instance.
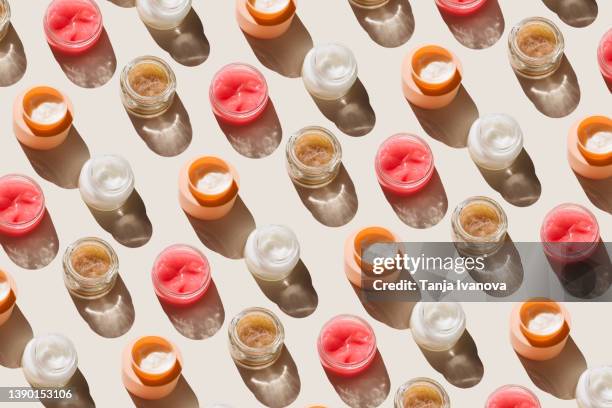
[72, 26]
[512, 396]
[151, 367]
[535, 47]
[589, 147]
[22, 205]
[256, 338]
[437, 326]
[49, 361]
[404, 164]
[5, 18]
[265, 19]
[594, 388]
[495, 141]
[163, 14]
[368, 4]
[604, 55]
[359, 270]
[460, 7]
[42, 118]
[181, 275]
[106, 182]
[91, 267]
[431, 77]
[569, 233]
[208, 188]
[8, 296]
[421, 393]
[272, 252]
[238, 94]
[539, 329]
[346, 345]
[313, 156]
[148, 86]
[479, 226]
[329, 71]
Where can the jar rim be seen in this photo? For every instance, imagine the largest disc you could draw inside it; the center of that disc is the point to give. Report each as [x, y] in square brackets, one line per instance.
[399, 395]
[513, 387]
[40, 212]
[537, 61]
[392, 181]
[328, 360]
[186, 295]
[65, 342]
[110, 274]
[351, 72]
[501, 228]
[517, 131]
[278, 340]
[73, 44]
[460, 314]
[129, 183]
[152, 99]
[589, 245]
[295, 248]
[246, 67]
[314, 170]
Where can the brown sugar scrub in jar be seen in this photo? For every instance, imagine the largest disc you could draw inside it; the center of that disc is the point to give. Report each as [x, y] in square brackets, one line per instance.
[536, 47]
[421, 393]
[148, 79]
[314, 149]
[479, 226]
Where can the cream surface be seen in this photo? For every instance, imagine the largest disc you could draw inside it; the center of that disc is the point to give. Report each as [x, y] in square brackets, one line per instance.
[270, 6]
[106, 182]
[594, 388]
[49, 112]
[49, 361]
[158, 362]
[436, 72]
[495, 141]
[600, 142]
[272, 252]
[437, 326]
[163, 14]
[329, 71]
[215, 182]
[545, 323]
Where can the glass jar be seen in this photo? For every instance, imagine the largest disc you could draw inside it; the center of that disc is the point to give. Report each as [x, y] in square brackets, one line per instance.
[148, 86]
[5, 18]
[89, 29]
[369, 4]
[495, 141]
[536, 47]
[460, 7]
[106, 182]
[256, 338]
[594, 388]
[163, 14]
[27, 209]
[91, 267]
[513, 396]
[272, 252]
[329, 71]
[437, 326]
[49, 361]
[421, 392]
[479, 226]
[313, 156]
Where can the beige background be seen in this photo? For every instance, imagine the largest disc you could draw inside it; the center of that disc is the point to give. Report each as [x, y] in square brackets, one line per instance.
[270, 197]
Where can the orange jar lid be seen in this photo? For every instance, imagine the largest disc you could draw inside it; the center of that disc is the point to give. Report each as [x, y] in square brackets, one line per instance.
[589, 129]
[276, 13]
[211, 181]
[155, 361]
[435, 70]
[543, 322]
[45, 110]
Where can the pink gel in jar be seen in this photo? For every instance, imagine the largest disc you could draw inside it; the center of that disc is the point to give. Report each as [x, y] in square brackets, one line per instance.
[513, 396]
[346, 345]
[569, 233]
[604, 54]
[238, 94]
[404, 164]
[73, 26]
[460, 7]
[181, 275]
[22, 205]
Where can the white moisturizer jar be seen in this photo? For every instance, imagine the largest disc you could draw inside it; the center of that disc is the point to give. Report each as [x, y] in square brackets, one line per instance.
[437, 326]
[49, 361]
[106, 182]
[329, 71]
[163, 14]
[594, 388]
[272, 252]
[495, 141]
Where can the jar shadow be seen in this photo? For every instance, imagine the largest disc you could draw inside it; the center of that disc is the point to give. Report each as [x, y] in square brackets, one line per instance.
[386, 308]
[110, 316]
[504, 266]
[200, 320]
[294, 295]
[285, 54]
[168, 134]
[187, 44]
[588, 279]
[389, 26]
[555, 96]
[352, 113]
[80, 397]
[61, 165]
[461, 365]
[228, 235]
[518, 184]
[277, 386]
[124, 3]
[599, 192]
[257, 139]
[13, 61]
[15, 334]
[479, 30]
[36, 249]
[182, 396]
[334, 205]
[423, 209]
[366, 390]
[560, 375]
[92, 69]
[575, 13]
[451, 124]
[129, 225]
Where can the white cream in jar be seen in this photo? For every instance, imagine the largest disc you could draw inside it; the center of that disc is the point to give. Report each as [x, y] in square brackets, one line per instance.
[163, 14]
[599, 142]
[106, 182]
[329, 71]
[158, 361]
[49, 112]
[215, 182]
[49, 361]
[594, 388]
[546, 323]
[495, 141]
[437, 326]
[272, 252]
[437, 71]
[270, 6]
